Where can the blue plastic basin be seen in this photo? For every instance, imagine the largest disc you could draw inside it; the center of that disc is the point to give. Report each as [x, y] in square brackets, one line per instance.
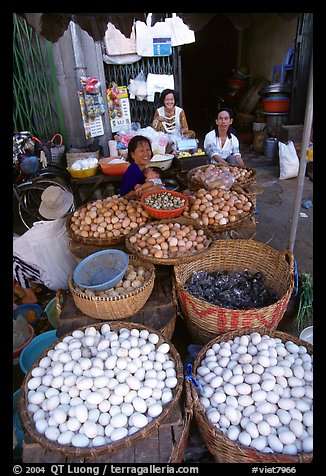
[102, 270]
[35, 348]
[25, 308]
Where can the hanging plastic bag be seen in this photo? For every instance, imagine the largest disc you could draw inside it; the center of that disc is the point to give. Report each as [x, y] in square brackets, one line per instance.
[218, 179]
[138, 87]
[289, 161]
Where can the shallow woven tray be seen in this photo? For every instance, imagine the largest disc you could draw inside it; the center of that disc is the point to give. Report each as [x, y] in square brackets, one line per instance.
[205, 320]
[196, 185]
[179, 259]
[143, 433]
[239, 221]
[222, 448]
[92, 241]
[119, 307]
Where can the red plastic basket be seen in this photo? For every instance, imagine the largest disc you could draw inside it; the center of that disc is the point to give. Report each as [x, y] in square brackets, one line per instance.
[163, 214]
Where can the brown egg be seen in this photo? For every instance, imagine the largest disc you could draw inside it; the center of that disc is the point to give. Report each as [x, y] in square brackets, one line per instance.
[160, 239]
[133, 239]
[151, 241]
[164, 246]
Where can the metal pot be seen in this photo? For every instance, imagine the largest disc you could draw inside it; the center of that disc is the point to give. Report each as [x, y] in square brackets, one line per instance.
[275, 88]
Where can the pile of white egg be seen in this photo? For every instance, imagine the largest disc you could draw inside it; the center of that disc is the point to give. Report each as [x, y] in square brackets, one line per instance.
[258, 391]
[97, 386]
[84, 164]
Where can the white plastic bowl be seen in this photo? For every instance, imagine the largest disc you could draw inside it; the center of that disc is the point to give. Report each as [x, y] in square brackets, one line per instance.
[163, 161]
[308, 334]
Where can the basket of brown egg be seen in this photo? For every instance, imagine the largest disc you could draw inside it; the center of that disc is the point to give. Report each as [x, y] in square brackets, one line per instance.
[169, 241]
[121, 301]
[219, 210]
[106, 221]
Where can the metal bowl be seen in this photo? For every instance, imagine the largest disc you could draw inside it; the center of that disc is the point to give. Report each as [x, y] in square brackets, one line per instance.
[171, 184]
[275, 88]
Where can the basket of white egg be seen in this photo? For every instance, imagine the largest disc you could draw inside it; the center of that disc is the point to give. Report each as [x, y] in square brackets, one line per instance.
[122, 301]
[83, 168]
[101, 389]
[253, 397]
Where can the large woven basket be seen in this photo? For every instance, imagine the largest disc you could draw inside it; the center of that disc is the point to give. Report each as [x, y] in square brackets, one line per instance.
[240, 220]
[222, 448]
[196, 185]
[172, 260]
[204, 320]
[149, 430]
[115, 308]
[92, 241]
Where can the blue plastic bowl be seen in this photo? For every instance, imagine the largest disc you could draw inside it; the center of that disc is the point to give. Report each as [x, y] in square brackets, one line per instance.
[35, 348]
[101, 270]
[25, 308]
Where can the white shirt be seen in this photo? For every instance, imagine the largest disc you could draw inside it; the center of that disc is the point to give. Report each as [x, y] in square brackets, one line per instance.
[45, 246]
[174, 121]
[212, 145]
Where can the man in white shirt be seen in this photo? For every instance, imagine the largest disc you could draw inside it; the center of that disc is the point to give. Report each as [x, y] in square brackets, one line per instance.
[220, 144]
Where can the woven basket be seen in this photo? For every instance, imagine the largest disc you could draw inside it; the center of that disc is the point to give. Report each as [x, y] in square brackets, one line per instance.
[115, 308]
[205, 320]
[194, 184]
[173, 260]
[92, 241]
[222, 448]
[149, 430]
[240, 220]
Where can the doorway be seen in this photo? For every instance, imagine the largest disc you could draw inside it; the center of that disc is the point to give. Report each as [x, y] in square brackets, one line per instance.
[206, 66]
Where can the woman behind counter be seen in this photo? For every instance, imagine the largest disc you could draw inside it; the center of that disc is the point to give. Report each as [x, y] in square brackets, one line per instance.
[220, 144]
[139, 154]
[170, 118]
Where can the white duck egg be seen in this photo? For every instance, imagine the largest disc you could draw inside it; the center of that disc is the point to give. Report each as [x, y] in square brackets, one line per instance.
[65, 437]
[155, 410]
[144, 392]
[90, 429]
[41, 425]
[119, 433]
[139, 420]
[52, 433]
[139, 404]
[307, 444]
[80, 440]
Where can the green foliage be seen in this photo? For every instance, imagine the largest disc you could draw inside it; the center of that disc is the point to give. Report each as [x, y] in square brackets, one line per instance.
[305, 296]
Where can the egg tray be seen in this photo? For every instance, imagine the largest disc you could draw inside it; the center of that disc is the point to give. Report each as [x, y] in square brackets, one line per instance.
[173, 260]
[222, 448]
[144, 433]
[196, 185]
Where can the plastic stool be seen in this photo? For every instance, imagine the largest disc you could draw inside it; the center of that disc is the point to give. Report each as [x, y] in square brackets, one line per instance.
[284, 67]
